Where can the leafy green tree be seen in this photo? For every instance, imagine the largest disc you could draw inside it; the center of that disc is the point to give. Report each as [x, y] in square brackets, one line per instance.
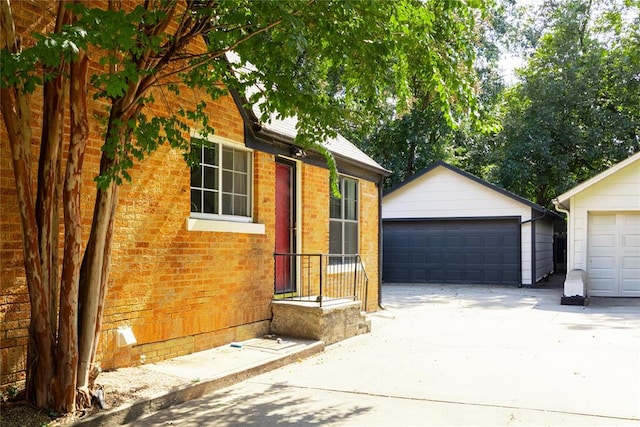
[409, 140]
[326, 62]
[575, 111]
[409, 143]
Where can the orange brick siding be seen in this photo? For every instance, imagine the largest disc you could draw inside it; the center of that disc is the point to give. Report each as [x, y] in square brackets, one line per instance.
[369, 238]
[180, 291]
[315, 209]
[315, 223]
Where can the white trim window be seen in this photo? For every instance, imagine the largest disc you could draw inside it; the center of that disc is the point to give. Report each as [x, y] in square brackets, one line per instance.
[343, 221]
[221, 183]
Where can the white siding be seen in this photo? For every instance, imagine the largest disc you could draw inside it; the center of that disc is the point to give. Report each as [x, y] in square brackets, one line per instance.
[619, 192]
[615, 196]
[544, 248]
[443, 193]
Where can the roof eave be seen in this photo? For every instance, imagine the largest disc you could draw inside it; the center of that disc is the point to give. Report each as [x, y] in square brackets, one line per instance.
[258, 129]
[564, 198]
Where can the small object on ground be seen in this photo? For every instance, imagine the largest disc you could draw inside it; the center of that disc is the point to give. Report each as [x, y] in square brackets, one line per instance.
[236, 345]
[98, 395]
[279, 340]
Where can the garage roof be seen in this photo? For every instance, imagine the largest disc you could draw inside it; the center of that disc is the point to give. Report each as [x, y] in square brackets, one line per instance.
[472, 177]
[564, 200]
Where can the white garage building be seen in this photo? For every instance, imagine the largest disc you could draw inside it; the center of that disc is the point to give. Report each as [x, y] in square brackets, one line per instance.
[604, 233]
[445, 225]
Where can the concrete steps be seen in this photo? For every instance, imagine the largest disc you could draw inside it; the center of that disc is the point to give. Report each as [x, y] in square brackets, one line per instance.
[331, 323]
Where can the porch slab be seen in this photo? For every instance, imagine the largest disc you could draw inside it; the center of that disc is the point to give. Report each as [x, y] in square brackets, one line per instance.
[331, 323]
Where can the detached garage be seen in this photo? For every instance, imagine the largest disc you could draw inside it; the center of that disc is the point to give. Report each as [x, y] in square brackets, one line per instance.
[604, 233]
[447, 226]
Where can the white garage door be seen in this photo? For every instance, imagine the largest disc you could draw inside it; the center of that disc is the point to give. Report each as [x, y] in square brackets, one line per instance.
[614, 254]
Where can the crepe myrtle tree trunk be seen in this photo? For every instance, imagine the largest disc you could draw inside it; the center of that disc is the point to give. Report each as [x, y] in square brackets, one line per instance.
[52, 344]
[48, 201]
[67, 348]
[93, 282]
[37, 226]
[66, 309]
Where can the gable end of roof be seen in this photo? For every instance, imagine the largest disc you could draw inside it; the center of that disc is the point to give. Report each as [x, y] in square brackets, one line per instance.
[563, 198]
[476, 179]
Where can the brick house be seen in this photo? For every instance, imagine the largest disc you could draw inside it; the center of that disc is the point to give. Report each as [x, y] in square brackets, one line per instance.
[193, 257]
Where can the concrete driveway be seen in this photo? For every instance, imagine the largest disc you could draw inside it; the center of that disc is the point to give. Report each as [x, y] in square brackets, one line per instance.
[452, 355]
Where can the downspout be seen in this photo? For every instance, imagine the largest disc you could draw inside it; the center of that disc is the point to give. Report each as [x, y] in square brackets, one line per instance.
[534, 252]
[560, 208]
[575, 278]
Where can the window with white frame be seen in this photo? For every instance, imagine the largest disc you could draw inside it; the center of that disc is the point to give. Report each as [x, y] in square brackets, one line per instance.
[221, 183]
[343, 221]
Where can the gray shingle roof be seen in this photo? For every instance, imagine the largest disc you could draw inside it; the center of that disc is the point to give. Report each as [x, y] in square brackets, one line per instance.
[338, 146]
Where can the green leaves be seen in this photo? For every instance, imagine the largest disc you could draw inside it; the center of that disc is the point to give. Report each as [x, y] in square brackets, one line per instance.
[325, 62]
[41, 62]
[576, 111]
[357, 55]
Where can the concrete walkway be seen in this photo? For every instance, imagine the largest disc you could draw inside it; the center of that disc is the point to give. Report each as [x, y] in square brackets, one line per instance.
[205, 372]
[451, 355]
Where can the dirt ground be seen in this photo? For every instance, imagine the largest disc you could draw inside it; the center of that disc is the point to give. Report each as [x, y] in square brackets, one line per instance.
[120, 387]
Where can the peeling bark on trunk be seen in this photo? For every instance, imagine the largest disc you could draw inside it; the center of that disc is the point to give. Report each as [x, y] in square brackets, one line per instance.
[67, 308]
[91, 279]
[106, 266]
[47, 202]
[14, 104]
[94, 274]
[68, 317]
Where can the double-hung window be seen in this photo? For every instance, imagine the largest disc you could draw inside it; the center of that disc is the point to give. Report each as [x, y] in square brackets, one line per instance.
[221, 183]
[343, 222]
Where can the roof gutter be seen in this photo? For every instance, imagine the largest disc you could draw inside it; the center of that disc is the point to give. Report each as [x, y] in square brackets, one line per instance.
[537, 218]
[274, 136]
[526, 221]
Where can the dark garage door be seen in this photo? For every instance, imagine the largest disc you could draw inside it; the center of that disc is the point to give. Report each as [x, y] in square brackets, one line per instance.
[482, 251]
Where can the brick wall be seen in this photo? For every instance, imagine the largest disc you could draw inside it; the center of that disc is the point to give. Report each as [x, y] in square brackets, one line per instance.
[180, 291]
[315, 223]
[315, 209]
[369, 238]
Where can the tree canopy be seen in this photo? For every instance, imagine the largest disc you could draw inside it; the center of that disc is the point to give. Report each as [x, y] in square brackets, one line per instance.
[574, 112]
[571, 112]
[406, 140]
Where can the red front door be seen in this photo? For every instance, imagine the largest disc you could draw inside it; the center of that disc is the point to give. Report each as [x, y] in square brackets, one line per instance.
[285, 237]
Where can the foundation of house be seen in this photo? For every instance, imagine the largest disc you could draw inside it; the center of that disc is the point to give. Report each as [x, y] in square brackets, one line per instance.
[333, 322]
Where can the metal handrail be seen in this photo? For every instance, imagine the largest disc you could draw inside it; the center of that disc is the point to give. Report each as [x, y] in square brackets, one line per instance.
[320, 278]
